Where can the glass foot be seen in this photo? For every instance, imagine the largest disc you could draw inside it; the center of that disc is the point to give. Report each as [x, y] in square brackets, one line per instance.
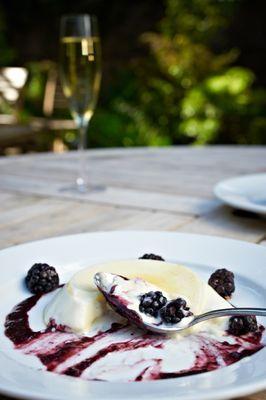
[83, 188]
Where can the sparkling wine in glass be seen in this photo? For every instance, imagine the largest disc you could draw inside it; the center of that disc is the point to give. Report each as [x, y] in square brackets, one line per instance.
[80, 72]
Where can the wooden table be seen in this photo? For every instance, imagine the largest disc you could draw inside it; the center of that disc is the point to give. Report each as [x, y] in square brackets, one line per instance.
[146, 188]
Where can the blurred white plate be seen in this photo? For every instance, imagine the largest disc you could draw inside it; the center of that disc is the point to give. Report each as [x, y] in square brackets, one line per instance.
[246, 192]
[20, 378]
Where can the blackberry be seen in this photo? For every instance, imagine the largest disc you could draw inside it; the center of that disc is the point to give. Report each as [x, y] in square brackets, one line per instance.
[152, 302]
[41, 278]
[222, 281]
[151, 257]
[241, 325]
[173, 312]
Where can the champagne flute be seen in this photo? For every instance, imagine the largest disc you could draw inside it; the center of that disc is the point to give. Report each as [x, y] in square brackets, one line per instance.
[80, 72]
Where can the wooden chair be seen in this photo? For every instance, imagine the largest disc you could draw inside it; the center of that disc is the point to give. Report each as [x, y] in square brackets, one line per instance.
[13, 81]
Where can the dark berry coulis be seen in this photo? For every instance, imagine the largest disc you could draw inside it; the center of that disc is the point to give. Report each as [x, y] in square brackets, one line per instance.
[57, 348]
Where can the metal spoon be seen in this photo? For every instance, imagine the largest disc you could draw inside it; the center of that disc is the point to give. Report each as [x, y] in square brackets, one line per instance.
[196, 319]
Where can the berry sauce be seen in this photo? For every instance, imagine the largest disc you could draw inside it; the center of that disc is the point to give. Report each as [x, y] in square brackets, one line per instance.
[67, 353]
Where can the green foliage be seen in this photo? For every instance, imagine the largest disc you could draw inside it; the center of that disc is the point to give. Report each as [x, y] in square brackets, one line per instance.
[199, 20]
[206, 107]
[184, 92]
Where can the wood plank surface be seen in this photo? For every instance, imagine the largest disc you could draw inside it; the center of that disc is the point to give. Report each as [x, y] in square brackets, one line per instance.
[144, 188]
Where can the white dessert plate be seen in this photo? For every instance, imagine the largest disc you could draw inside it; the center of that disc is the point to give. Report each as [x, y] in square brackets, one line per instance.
[246, 192]
[22, 379]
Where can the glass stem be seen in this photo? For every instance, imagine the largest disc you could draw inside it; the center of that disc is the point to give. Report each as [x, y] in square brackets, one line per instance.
[82, 179]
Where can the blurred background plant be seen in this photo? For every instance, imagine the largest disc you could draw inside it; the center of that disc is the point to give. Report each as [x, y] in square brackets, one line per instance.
[184, 91]
[186, 85]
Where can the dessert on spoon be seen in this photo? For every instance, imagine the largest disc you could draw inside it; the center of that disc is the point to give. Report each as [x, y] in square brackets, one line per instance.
[152, 310]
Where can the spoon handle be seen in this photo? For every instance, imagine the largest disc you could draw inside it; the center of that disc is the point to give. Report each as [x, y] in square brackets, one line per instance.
[226, 312]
